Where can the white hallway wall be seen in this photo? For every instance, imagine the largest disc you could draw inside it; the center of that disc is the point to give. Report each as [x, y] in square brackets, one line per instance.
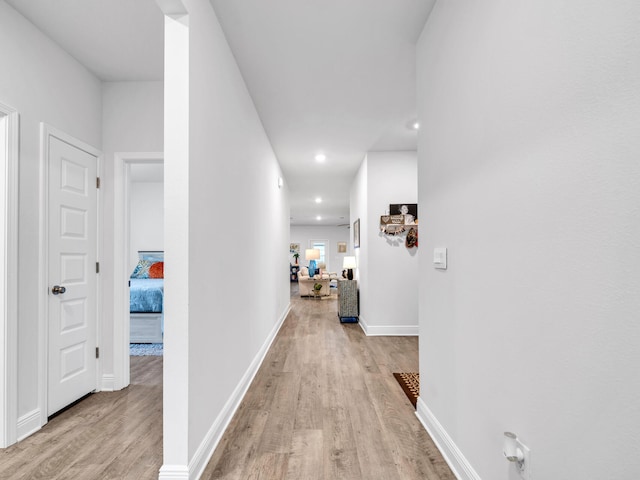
[216, 328]
[45, 85]
[387, 269]
[303, 235]
[529, 175]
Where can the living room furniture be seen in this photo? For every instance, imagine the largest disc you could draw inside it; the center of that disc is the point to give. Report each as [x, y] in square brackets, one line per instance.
[322, 270]
[293, 272]
[306, 283]
[348, 301]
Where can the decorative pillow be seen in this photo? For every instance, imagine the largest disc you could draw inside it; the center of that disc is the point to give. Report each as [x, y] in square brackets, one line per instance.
[142, 269]
[304, 272]
[156, 270]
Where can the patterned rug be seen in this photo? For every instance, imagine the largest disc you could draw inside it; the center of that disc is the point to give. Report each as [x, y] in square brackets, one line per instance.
[145, 349]
[410, 383]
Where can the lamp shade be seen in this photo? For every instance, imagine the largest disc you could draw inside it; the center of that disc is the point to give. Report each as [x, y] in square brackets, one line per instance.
[349, 262]
[312, 254]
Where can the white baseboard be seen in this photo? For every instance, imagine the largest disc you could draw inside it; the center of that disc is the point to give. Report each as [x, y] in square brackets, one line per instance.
[29, 424]
[461, 468]
[108, 383]
[204, 452]
[173, 472]
[388, 330]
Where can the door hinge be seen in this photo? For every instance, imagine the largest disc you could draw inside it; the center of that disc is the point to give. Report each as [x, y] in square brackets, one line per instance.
[97, 352]
[97, 182]
[97, 267]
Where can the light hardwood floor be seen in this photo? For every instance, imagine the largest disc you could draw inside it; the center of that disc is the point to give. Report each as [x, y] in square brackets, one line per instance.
[324, 405]
[109, 435]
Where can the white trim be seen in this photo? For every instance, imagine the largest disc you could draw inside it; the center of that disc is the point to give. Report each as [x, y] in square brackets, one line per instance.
[122, 162]
[47, 131]
[173, 472]
[28, 424]
[206, 448]
[99, 257]
[460, 466]
[9, 269]
[107, 383]
[388, 330]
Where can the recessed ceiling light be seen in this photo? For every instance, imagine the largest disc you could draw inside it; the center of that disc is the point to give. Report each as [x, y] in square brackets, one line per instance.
[321, 157]
[318, 200]
[416, 126]
[318, 217]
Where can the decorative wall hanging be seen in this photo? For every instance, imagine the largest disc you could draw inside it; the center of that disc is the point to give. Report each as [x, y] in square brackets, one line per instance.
[402, 218]
[412, 238]
[409, 210]
[392, 224]
[342, 247]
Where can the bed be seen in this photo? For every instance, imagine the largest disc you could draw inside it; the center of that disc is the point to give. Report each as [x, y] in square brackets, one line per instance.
[146, 298]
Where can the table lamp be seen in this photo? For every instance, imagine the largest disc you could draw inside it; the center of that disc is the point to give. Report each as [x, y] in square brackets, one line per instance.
[312, 254]
[349, 263]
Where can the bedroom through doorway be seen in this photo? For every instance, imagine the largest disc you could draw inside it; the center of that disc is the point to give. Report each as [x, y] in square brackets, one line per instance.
[138, 235]
[146, 259]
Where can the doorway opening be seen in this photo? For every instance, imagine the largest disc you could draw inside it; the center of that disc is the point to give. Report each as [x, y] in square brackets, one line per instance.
[139, 213]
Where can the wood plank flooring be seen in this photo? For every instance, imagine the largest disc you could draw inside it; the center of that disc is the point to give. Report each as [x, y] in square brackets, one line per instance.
[108, 435]
[324, 405]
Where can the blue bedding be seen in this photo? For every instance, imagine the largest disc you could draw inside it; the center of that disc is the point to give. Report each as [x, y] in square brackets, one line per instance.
[146, 295]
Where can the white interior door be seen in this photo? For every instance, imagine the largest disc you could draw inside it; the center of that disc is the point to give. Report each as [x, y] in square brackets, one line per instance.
[71, 273]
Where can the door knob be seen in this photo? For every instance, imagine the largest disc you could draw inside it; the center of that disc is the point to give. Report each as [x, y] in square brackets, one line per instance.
[57, 289]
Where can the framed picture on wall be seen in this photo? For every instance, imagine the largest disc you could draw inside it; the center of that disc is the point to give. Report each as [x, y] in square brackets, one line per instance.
[356, 234]
[342, 247]
[409, 210]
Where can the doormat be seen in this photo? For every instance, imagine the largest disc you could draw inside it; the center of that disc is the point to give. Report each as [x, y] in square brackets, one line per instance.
[145, 349]
[410, 383]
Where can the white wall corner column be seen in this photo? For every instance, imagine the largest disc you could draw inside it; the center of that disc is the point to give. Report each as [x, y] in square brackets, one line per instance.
[9, 141]
[176, 188]
[206, 158]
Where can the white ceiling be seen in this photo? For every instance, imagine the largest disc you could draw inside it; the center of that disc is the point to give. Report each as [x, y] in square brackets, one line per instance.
[115, 39]
[336, 76]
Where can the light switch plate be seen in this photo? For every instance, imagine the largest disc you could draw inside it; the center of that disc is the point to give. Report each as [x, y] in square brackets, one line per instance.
[440, 258]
